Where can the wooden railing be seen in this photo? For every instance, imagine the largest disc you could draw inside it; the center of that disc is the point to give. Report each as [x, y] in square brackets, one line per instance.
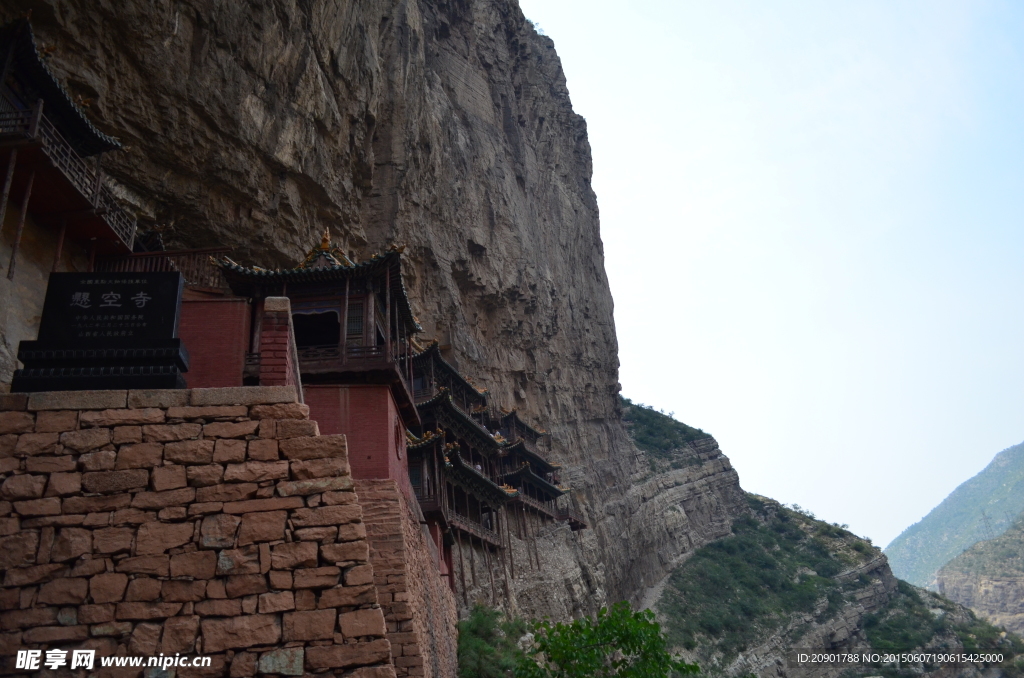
[32, 125]
[196, 266]
[543, 507]
[333, 352]
[572, 514]
[474, 528]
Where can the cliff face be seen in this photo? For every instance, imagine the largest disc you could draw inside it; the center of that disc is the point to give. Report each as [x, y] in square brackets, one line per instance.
[442, 125]
[989, 579]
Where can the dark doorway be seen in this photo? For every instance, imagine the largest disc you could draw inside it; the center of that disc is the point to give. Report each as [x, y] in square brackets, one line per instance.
[317, 329]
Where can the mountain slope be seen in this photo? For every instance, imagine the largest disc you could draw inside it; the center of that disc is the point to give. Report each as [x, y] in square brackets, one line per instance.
[989, 578]
[981, 508]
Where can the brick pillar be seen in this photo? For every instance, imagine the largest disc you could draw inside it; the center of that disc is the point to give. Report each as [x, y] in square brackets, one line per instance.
[279, 359]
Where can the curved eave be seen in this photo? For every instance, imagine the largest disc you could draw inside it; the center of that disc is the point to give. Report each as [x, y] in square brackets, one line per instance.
[433, 352]
[58, 106]
[470, 476]
[519, 446]
[443, 402]
[243, 279]
[514, 414]
[526, 474]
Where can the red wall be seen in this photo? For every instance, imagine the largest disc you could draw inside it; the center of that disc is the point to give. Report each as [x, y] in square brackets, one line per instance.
[216, 334]
[368, 416]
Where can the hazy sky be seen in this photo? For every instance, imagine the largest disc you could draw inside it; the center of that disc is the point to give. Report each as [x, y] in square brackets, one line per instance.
[812, 216]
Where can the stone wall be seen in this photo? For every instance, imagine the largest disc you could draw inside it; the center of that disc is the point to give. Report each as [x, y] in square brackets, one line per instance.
[419, 605]
[208, 521]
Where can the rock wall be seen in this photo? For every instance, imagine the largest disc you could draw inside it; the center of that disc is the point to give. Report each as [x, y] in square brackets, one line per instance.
[419, 605]
[211, 522]
[1000, 600]
[445, 125]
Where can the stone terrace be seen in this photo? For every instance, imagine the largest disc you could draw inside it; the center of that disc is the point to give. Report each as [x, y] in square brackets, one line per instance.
[205, 521]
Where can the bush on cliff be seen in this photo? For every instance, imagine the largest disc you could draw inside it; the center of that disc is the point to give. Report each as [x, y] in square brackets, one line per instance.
[487, 644]
[657, 433]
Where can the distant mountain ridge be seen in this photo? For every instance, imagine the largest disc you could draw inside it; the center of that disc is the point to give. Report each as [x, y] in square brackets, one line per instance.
[979, 509]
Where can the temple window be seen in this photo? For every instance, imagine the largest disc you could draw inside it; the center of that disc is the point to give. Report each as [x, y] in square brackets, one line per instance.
[317, 329]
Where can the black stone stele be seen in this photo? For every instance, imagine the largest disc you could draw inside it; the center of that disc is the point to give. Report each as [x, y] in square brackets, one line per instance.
[106, 331]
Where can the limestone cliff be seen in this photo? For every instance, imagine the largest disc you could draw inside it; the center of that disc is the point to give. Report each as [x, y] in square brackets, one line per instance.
[989, 579]
[445, 125]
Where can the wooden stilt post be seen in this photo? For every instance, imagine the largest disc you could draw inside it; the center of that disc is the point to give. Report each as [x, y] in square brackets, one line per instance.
[60, 243]
[487, 564]
[21, 226]
[8, 178]
[462, 569]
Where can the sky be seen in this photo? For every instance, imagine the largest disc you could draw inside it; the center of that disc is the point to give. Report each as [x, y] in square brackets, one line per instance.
[813, 221]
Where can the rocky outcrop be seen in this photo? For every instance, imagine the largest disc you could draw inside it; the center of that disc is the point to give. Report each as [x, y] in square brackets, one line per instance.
[445, 125]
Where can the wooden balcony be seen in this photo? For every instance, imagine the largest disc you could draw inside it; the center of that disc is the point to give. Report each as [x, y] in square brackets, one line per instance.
[473, 528]
[196, 266]
[575, 517]
[66, 189]
[537, 506]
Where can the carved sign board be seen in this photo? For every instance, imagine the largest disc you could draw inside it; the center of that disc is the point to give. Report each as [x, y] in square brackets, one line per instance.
[106, 331]
[111, 310]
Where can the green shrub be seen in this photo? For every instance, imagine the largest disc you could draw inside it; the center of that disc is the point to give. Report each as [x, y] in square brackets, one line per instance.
[658, 433]
[488, 644]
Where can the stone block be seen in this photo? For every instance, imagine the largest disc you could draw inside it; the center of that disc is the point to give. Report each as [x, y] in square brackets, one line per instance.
[351, 532]
[358, 575]
[327, 467]
[228, 429]
[19, 619]
[342, 656]
[218, 531]
[254, 505]
[56, 634]
[276, 601]
[8, 443]
[178, 591]
[172, 514]
[87, 568]
[56, 421]
[326, 533]
[198, 565]
[327, 515]
[62, 484]
[164, 398]
[310, 625]
[31, 444]
[145, 639]
[125, 434]
[262, 450]
[348, 596]
[158, 566]
[96, 614]
[280, 411]
[139, 417]
[145, 611]
[179, 634]
[208, 413]
[169, 433]
[65, 591]
[159, 500]
[13, 402]
[316, 577]
[77, 400]
[23, 487]
[109, 502]
[256, 471]
[205, 475]
[169, 477]
[289, 488]
[375, 672]
[359, 623]
[113, 540]
[265, 526]
[154, 538]
[140, 455]
[38, 507]
[143, 589]
[296, 428]
[9, 526]
[26, 576]
[229, 450]
[295, 554]
[240, 632]
[245, 585]
[108, 482]
[108, 587]
[85, 440]
[61, 464]
[320, 447]
[228, 607]
[349, 551]
[104, 460]
[286, 661]
[239, 561]
[280, 579]
[242, 395]
[222, 493]
[243, 665]
[189, 452]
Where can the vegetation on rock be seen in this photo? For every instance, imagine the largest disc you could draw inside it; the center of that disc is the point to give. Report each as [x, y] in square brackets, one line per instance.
[658, 433]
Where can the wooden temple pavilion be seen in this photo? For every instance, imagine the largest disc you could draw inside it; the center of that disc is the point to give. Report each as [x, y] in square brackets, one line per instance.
[50, 154]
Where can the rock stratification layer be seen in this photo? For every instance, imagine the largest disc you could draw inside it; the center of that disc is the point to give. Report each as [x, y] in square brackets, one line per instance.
[442, 125]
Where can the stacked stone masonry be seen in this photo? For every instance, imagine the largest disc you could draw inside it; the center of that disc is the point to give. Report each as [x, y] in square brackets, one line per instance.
[210, 522]
[419, 604]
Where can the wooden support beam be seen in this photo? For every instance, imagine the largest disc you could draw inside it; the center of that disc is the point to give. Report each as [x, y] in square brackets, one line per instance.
[8, 178]
[21, 225]
[60, 244]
